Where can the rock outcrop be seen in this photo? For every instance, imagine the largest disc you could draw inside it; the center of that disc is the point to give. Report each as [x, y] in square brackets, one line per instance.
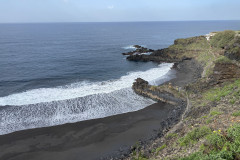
[224, 72]
[139, 50]
[161, 55]
[164, 93]
[174, 53]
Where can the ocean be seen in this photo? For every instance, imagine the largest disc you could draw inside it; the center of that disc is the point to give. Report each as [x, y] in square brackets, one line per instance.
[57, 73]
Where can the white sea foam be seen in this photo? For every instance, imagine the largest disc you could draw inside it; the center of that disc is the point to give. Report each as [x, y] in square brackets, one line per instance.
[129, 47]
[132, 47]
[76, 102]
[15, 118]
[82, 89]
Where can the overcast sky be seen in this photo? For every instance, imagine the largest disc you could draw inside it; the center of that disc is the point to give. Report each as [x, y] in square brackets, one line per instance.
[117, 10]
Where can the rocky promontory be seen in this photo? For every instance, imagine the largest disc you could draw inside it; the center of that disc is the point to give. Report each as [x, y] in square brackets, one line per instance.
[174, 53]
[164, 93]
[210, 124]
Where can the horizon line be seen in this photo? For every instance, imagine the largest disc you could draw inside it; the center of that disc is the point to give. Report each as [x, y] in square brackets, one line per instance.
[113, 21]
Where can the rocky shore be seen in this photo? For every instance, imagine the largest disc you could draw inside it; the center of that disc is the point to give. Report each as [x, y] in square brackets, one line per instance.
[212, 98]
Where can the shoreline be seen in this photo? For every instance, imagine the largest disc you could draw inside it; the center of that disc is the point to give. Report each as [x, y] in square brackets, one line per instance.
[110, 137]
[107, 137]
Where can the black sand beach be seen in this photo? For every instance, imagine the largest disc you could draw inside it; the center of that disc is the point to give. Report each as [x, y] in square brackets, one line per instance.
[100, 138]
[85, 140]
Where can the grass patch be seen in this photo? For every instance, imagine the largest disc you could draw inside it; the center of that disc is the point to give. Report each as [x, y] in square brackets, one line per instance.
[205, 57]
[194, 136]
[171, 135]
[222, 39]
[223, 59]
[219, 145]
[215, 113]
[212, 115]
[193, 43]
[236, 114]
[218, 92]
[160, 148]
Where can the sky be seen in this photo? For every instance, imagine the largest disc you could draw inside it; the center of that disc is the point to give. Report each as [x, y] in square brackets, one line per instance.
[21, 11]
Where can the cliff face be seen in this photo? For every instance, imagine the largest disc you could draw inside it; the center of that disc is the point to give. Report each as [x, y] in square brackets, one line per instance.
[224, 72]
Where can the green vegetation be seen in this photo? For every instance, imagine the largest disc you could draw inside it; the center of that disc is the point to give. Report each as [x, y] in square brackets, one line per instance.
[191, 47]
[223, 59]
[212, 115]
[171, 135]
[210, 145]
[194, 136]
[215, 113]
[236, 114]
[217, 93]
[161, 148]
[220, 145]
[222, 39]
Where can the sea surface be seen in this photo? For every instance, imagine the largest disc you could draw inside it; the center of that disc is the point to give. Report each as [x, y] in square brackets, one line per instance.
[56, 73]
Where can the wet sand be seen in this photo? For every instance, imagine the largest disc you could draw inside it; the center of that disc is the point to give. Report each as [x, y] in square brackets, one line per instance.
[85, 140]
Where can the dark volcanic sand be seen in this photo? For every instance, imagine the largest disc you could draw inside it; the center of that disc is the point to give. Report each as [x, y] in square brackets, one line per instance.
[84, 140]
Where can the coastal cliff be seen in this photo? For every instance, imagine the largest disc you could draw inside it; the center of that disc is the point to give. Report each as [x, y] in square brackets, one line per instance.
[209, 128]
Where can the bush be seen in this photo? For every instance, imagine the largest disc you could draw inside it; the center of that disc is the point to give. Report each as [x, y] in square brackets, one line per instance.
[222, 39]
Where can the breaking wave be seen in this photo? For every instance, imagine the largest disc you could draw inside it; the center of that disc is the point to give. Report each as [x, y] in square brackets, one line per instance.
[76, 102]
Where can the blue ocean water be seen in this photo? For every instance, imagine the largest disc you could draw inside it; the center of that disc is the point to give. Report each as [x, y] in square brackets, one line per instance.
[55, 73]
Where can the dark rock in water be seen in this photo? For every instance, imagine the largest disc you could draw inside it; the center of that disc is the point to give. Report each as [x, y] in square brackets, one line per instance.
[141, 82]
[139, 50]
[137, 46]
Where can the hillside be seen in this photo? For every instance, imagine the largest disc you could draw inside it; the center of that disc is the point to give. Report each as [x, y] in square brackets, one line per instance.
[210, 127]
